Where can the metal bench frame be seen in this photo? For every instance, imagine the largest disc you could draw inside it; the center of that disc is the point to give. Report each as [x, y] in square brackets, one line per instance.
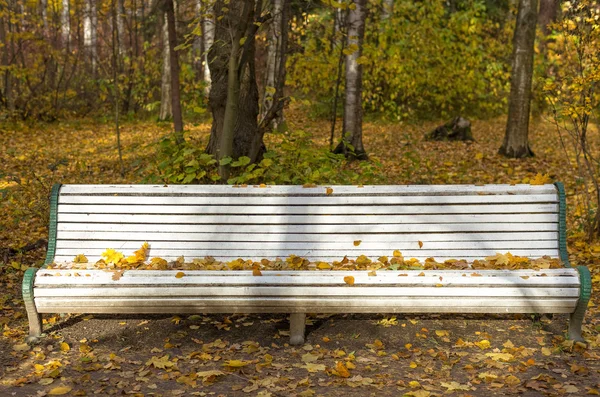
[297, 293]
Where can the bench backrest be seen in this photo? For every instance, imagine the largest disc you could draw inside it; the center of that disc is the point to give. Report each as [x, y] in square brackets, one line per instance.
[318, 223]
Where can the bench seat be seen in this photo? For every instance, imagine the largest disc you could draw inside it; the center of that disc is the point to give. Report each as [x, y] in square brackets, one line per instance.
[317, 223]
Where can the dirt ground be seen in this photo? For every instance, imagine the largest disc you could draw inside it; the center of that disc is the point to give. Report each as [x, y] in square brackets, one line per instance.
[344, 355]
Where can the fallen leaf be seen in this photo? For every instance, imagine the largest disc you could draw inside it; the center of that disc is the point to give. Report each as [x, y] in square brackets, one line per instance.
[236, 363]
[80, 259]
[60, 390]
[179, 274]
[341, 370]
[349, 280]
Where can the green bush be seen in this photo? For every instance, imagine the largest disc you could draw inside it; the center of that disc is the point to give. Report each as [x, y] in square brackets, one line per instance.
[294, 161]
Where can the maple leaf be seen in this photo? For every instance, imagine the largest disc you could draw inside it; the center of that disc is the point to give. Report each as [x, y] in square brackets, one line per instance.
[453, 386]
[162, 362]
[341, 370]
[312, 367]
[500, 356]
[540, 179]
[140, 255]
[112, 256]
[80, 259]
[236, 363]
[209, 376]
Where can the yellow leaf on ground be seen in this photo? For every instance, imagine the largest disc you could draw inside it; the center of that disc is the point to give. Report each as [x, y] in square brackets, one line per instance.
[453, 386]
[236, 363]
[179, 274]
[500, 356]
[420, 244]
[341, 370]
[60, 390]
[64, 346]
[162, 362]
[329, 191]
[483, 344]
[357, 242]
[312, 367]
[256, 272]
[349, 280]
[540, 179]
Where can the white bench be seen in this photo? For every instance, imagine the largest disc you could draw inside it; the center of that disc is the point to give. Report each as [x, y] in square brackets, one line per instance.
[317, 223]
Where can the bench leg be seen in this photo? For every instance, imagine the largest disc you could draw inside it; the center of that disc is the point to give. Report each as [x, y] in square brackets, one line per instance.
[576, 320]
[35, 319]
[297, 328]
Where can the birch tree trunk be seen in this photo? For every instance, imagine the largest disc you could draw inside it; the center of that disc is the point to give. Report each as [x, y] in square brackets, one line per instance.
[197, 49]
[208, 38]
[516, 144]
[388, 9]
[166, 110]
[90, 33]
[121, 28]
[169, 7]
[351, 144]
[275, 59]
[65, 24]
[44, 15]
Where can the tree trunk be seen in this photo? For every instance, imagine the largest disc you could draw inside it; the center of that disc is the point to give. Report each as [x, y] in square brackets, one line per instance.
[8, 50]
[121, 28]
[238, 92]
[275, 76]
[516, 143]
[351, 144]
[166, 109]
[388, 8]
[197, 49]
[547, 15]
[44, 16]
[65, 24]
[4, 93]
[174, 61]
[90, 34]
[208, 37]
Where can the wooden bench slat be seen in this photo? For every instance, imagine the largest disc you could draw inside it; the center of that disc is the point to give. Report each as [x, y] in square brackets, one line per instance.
[286, 219]
[343, 243]
[258, 254]
[522, 278]
[304, 291]
[312, 201]
[147, 235]
[322, 229]
[298, 275]
[306, 305]
[302, 210]
[290, 190]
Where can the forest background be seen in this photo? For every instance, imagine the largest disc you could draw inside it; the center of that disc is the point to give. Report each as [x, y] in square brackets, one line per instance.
[293, 92]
